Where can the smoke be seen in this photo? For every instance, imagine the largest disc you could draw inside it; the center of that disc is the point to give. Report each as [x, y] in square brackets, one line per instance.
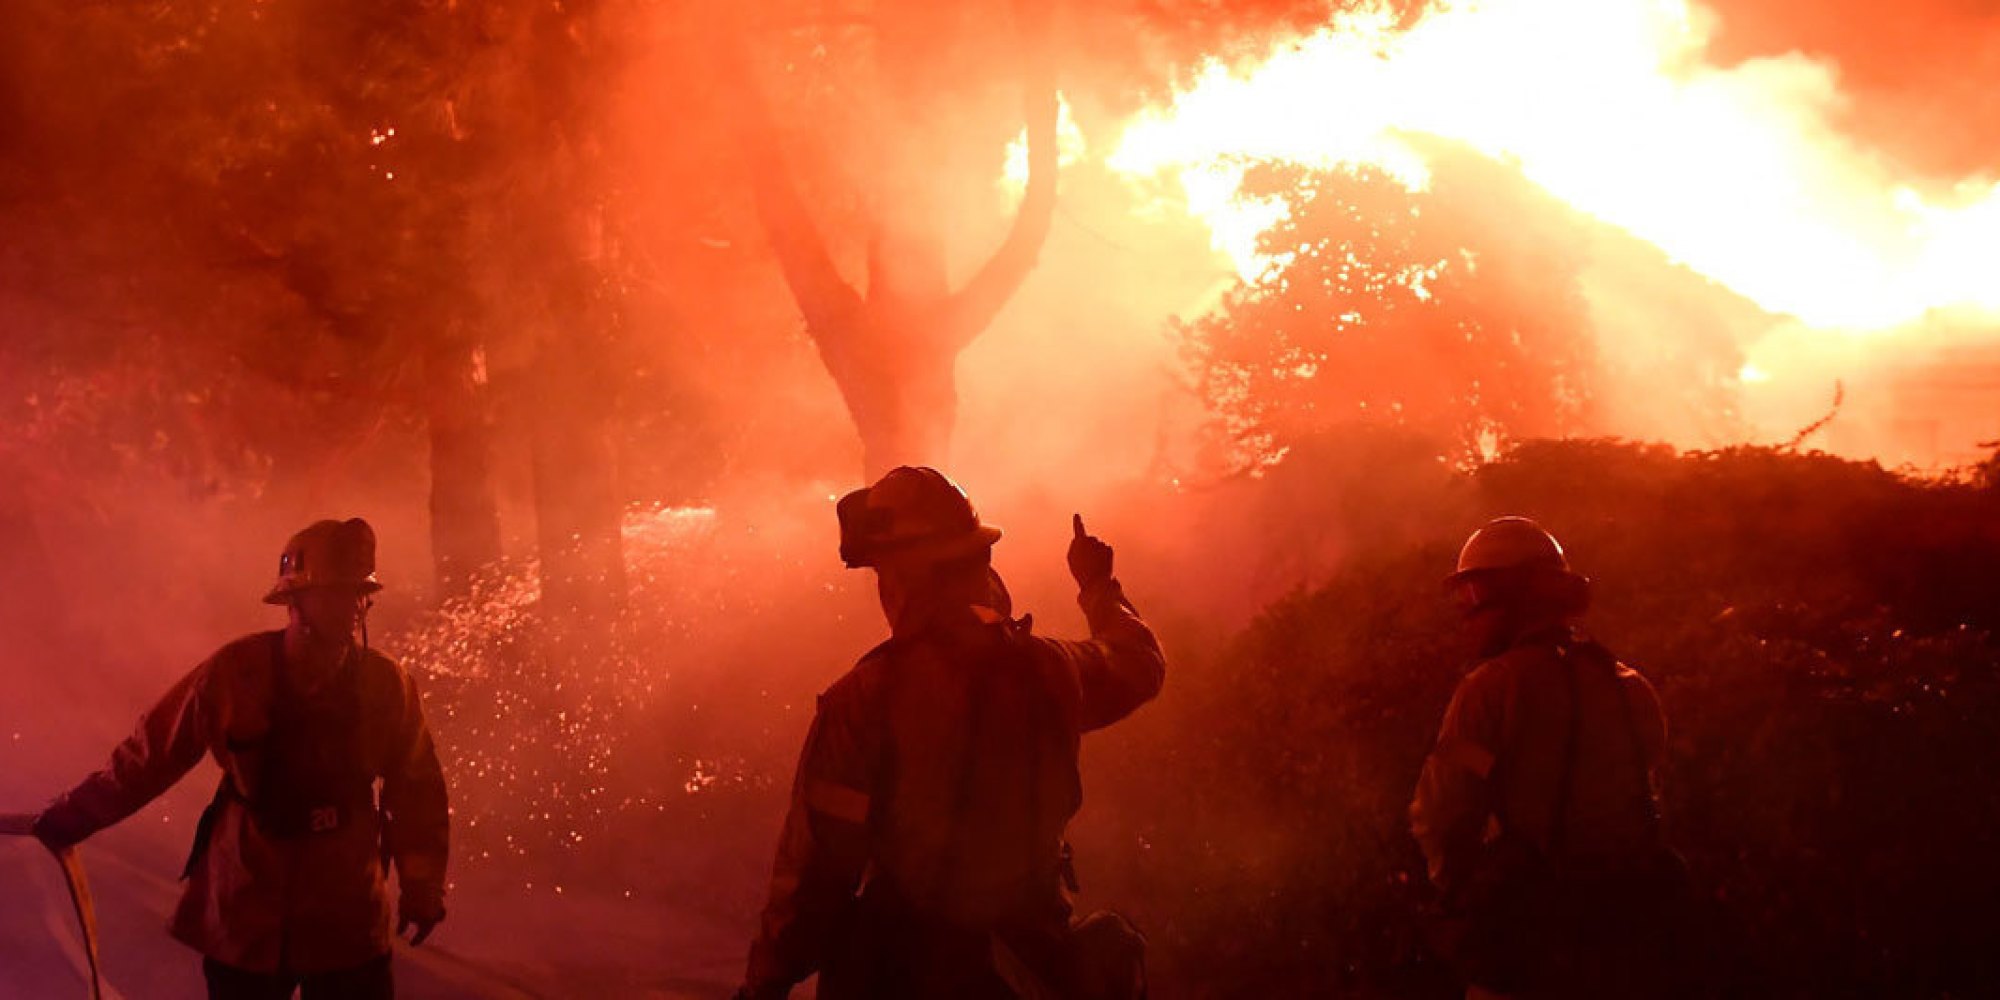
[217, 309]
[1913, 78]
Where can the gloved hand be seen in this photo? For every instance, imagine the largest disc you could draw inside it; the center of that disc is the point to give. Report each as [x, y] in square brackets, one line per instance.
[50, 830]
[1089, 557]
[421, 911]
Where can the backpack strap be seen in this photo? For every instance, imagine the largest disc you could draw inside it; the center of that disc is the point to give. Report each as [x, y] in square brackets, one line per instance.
[981, 665]
[1559, 816]
[1503, 767]
[225, 789]
[1649, 805]
[204, 828]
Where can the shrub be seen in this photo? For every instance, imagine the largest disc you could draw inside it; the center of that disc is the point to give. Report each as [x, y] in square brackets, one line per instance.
[1821, 632]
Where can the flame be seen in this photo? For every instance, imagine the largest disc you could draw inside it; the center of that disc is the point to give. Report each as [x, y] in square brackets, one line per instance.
[1739, 173]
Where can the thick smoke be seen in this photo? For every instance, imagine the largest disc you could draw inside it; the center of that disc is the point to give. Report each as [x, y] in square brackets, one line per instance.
[239, 242]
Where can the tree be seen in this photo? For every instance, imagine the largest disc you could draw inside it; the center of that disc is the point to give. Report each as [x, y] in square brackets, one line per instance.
[317, 198]
[891, 345]
[385, 251]
[1437, 310]
[553, 208]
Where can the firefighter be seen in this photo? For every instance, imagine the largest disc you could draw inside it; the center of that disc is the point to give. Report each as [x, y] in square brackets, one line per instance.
[285, 886]
[1538, 807]
[923, 855]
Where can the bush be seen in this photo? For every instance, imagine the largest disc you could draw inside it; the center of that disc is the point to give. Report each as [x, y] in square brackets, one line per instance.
[1821, 632]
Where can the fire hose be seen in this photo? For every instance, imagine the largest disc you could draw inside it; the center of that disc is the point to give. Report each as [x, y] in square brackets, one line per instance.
[23, 825]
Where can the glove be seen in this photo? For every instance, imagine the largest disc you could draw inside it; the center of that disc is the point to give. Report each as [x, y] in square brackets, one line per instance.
[1089, 557]
[421, 911]
[54, 834]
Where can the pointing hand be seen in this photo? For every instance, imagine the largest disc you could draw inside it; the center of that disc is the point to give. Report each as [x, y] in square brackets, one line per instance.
[1089, 557]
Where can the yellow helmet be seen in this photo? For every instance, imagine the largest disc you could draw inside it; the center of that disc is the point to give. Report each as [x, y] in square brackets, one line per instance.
[327, 554]
[1510, 543]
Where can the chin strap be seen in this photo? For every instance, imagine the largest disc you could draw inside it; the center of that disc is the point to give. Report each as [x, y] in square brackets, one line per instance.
[367, 605]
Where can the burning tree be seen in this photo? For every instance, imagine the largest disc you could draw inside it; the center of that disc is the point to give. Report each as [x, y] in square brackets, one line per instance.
[1443, 311]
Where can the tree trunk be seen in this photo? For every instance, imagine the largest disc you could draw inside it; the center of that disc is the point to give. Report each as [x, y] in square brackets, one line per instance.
[896, 370]
[465, 514]
[577, 516]
[892, 349]
[578, 507]
[905, 411]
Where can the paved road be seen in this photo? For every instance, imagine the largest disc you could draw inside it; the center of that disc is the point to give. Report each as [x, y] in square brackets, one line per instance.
[496, 944]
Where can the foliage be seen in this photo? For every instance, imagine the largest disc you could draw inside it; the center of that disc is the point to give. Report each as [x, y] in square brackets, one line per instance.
[238, 242]
[197, 217]
[1121, 54]
[1398, 307]
[1821, 631]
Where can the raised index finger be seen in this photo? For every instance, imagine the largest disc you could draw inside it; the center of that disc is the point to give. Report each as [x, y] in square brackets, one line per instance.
[1077, 521]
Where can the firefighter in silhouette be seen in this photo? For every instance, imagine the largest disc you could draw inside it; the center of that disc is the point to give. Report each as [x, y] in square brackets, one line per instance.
[285, 886]
[923, 856]
[1538, 807]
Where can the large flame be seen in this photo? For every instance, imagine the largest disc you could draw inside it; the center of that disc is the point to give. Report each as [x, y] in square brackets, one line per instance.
[1740, 173]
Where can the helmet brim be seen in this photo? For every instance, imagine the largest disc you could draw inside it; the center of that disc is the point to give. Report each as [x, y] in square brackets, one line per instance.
[283, 591]
[929, 550]
[1495, 572]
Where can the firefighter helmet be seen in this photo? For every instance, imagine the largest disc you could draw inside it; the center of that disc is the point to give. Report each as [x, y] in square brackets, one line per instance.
[911, 512]
[327, 554]
[1510, 543]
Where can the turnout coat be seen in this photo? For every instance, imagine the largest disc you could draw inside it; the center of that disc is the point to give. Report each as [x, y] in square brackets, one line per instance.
[923, 854]
[260, 899]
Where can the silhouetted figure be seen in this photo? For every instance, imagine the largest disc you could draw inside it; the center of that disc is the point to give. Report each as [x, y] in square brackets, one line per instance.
[923, 855]
[285, 885]
[1538, 808]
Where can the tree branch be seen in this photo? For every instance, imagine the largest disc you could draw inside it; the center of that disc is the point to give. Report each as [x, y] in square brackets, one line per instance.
[826, 300]
[972, 309]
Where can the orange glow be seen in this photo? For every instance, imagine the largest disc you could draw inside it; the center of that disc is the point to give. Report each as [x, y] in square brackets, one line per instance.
[1070, 147]
[1739, 173]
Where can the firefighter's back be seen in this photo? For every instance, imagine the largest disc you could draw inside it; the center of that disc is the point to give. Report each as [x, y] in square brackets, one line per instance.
[981, 761]
[1575, 709]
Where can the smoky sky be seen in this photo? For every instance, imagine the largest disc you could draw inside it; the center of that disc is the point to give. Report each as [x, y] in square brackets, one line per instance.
[1920, 75]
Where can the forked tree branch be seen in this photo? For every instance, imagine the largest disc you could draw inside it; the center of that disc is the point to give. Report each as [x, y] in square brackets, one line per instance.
[824, 298]
[972, 309]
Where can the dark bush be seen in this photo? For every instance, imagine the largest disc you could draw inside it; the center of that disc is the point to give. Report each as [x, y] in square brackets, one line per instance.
[1821, 632]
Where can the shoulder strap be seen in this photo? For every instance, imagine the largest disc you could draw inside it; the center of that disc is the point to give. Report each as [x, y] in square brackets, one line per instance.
[986, 660]
[982, 661]
[204, 827]
[1559, 819]
[1649, 807]
[891, 652]
[281, 677]
[1497, 781]
[1642, 784]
